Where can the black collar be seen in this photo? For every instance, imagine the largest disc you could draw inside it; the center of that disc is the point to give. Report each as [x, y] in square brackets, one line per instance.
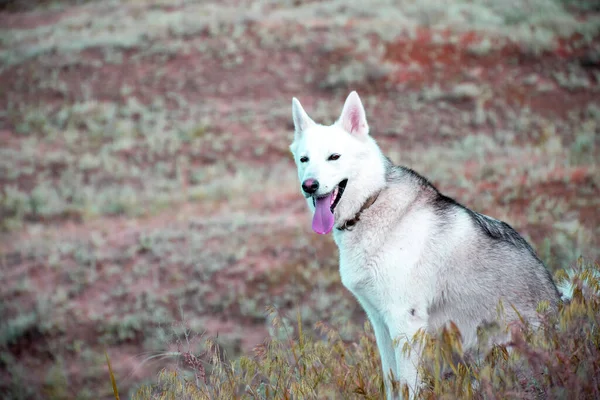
[349, 224]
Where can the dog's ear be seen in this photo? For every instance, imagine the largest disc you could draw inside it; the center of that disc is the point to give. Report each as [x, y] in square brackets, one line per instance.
[353, 119]
[301, 118]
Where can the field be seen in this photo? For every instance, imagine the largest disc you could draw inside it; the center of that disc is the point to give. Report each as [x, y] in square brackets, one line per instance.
[147, 189]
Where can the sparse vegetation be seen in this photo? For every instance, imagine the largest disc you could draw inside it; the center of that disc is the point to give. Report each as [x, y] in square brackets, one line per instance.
[145, 175]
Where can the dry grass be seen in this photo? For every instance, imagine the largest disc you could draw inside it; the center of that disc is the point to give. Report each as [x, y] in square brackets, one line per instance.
[560, 357]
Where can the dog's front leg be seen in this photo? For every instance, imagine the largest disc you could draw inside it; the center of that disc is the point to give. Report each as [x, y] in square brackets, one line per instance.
[403, 326]
[386, 351]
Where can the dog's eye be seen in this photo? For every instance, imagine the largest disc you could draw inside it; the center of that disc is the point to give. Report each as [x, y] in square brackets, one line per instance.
[333, 157]
[303, 159]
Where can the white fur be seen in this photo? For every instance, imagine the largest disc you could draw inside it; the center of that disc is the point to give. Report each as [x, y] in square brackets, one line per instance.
[387, 290]
[318, 142]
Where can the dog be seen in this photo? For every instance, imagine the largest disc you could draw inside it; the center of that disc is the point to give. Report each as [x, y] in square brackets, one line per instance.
[414, 258]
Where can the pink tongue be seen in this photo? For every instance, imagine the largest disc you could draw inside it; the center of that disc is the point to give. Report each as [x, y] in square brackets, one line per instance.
[323, 218]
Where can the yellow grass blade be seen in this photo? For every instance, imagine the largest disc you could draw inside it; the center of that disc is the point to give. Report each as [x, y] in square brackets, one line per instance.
[112, 377]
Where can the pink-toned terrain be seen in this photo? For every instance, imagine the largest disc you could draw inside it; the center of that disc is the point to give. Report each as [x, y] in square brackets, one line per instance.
[146, 182]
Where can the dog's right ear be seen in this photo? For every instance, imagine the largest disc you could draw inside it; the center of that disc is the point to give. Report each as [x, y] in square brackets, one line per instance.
[301, 118]
[353, 119]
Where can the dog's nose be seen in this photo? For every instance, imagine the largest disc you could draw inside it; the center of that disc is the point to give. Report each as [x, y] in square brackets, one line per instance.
[310, 185]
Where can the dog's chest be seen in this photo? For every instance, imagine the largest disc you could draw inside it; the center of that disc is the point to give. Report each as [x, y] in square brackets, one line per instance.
[375, 264]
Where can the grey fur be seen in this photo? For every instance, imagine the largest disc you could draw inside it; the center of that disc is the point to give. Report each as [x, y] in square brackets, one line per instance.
[499, 265]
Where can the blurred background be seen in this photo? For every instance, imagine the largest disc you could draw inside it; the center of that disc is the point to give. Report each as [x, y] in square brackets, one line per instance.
[148, 196]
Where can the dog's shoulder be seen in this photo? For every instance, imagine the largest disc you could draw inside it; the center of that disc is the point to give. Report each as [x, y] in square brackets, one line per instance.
[485, 226]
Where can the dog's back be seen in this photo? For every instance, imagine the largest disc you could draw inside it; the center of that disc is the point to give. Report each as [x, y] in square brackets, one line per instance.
[478, 262]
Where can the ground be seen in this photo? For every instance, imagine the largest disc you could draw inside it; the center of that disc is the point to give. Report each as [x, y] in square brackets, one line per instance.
[146, 181]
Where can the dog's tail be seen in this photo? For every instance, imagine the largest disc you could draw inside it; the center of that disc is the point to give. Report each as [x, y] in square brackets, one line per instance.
[566, 289]
[583, 277]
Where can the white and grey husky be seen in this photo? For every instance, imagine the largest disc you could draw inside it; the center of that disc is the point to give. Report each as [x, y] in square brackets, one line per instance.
[414, 258]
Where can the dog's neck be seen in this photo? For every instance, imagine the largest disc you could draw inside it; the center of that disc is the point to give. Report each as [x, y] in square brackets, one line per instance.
[349, 224]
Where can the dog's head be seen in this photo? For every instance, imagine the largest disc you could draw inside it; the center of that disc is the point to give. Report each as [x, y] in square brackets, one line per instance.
[339, 166]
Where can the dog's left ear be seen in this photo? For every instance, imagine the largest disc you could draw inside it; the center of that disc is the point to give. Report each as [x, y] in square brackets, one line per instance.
[353, 118]
[301, 118]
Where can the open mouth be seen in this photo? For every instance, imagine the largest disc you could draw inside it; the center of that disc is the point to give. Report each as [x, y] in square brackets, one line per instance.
[334, 196]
